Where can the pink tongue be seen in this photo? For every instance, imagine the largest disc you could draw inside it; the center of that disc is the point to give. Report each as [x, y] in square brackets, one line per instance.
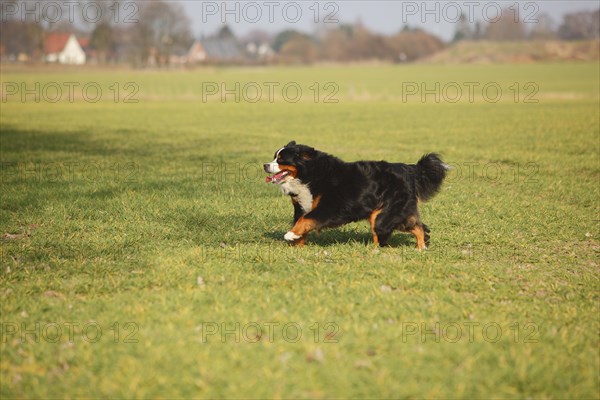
[275, 177]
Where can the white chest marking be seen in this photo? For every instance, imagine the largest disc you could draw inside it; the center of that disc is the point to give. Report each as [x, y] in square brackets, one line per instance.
[301, 192]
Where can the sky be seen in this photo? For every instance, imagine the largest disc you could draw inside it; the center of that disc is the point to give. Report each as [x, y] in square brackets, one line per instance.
[386, 17]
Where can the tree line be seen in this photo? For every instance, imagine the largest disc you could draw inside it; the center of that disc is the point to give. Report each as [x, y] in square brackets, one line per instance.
[162, 30]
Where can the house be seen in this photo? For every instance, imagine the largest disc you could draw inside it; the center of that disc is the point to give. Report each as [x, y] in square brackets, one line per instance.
[261, 51]
[223, 46]
[196, 53]
[178, 57]
[63, 48]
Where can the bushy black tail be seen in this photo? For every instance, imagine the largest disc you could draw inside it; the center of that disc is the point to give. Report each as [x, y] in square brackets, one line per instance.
[431, 171]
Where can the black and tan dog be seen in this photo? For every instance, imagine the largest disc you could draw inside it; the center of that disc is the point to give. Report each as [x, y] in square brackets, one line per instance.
[328, 192]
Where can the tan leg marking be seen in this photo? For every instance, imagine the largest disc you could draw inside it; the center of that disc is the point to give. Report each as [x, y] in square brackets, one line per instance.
[297, 235]
[419, 233]
[372, 220]
[303, 226]
[299, 242]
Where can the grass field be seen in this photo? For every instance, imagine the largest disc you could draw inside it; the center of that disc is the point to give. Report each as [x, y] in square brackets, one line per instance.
[135, 236]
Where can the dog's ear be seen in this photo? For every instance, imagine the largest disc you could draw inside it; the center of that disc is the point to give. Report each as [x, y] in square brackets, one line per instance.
[290, 144]
[307, 153]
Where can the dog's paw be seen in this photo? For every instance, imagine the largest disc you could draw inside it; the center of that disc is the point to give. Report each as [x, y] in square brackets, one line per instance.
[291, 236]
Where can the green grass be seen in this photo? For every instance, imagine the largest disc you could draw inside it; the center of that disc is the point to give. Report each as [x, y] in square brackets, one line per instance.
[155, 194]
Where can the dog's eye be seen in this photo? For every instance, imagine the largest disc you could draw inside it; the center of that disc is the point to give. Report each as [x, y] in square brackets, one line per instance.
[278, 158]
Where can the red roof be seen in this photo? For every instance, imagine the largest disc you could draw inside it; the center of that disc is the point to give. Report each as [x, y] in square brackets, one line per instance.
[83, 42]
[55, 42]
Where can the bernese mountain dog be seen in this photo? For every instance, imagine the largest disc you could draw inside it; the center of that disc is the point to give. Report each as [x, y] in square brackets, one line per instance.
[327, 192]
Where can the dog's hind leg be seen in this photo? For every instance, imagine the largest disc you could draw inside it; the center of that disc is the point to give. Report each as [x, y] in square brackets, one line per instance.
[426, 230]
[414, 225]
[421, 236]
[372, 219]
[411, 222]
[384, 226]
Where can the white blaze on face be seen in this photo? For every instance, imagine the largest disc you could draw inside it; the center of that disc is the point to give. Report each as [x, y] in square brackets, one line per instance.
[273, 166]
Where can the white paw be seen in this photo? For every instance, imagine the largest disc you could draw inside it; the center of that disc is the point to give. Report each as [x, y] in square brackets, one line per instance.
[291, 236]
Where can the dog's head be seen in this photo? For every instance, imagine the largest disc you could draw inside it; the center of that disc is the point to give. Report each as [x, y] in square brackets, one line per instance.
[289, 162]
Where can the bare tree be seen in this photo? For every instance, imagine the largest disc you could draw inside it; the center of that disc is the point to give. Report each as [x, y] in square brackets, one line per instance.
[336, 45]
[103, 41]
[299, 49]
[20, 37]
[544, 28]
[163, 28]
[285, 36]
[580, 25]
[464, 29]
[507, 27]
[412, 44]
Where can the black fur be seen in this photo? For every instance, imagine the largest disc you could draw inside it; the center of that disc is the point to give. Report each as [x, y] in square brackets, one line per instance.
[351, 191]
[432, 172]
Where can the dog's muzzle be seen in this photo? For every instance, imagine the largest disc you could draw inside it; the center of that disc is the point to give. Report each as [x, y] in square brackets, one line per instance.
[271, 168]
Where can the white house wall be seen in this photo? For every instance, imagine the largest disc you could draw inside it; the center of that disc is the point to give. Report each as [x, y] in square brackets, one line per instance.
[72, 53]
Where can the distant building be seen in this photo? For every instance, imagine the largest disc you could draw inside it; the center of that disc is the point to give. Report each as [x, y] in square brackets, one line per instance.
[197, 53]
[261, 51]
[63, 48]
[178, 57]
[223, 46]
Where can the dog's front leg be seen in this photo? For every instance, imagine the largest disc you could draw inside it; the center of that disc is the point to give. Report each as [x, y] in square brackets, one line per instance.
[298, 211]
[306, 223]
[301, 228]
